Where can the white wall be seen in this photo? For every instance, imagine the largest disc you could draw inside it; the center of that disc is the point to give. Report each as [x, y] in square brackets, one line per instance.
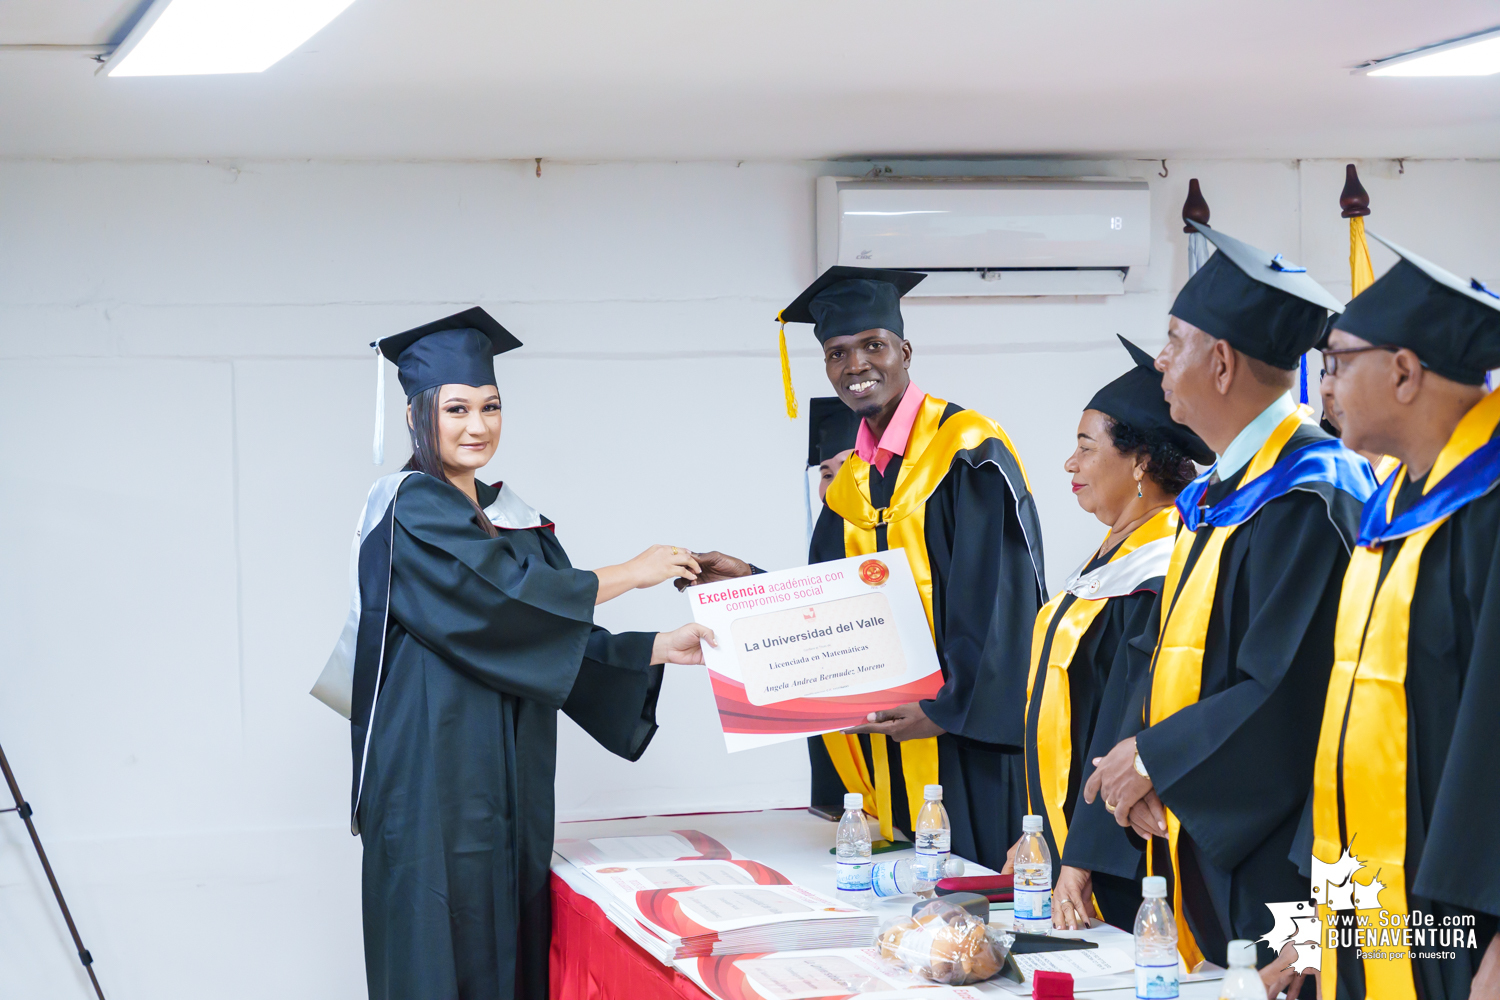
[185, 397]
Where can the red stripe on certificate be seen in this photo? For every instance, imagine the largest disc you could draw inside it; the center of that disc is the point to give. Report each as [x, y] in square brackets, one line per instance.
[810, 715]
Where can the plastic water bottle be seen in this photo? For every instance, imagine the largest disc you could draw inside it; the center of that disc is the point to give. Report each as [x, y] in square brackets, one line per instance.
[1033, 879]
[899, 878]
[934, 836]
[1156, 943]
[1241, 982]
[893, 878]
[853, 845]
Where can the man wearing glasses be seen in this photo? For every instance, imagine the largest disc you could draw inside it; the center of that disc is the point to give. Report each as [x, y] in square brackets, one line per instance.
[1407, 760]
[1244, 633]
[1333, 424]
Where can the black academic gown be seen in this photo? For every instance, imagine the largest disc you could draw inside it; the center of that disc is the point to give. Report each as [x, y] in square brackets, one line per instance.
[487, 638]
[985, 596]
[1236, 766]
[1452, 752]
[1103, 679]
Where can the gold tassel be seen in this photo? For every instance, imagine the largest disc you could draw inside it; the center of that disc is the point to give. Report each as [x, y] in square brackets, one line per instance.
[786, 375]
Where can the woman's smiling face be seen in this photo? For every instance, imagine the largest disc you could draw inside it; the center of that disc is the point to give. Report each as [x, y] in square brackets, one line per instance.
[1103, 479]
[468, 427]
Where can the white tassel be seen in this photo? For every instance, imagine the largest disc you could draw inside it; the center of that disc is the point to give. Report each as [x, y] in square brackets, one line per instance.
[379, 454]
[1198, 252]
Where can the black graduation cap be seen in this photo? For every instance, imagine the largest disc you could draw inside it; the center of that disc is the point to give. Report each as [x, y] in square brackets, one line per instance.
[1136, 399]
[831, 428]
[1261, 303]
[1451, 324]
[849, 300]
[456, 349]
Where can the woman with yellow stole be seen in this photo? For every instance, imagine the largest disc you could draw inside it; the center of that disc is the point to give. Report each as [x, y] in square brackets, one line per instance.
[1403, 837]
[1131, 462]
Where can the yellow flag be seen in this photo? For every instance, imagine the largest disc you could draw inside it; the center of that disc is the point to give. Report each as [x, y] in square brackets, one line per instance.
[1361, 274]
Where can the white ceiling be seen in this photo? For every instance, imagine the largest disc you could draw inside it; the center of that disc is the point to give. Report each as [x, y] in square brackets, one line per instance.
[759, 79]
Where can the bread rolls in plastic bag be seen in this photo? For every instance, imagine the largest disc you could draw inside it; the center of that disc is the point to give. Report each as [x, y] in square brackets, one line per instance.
[946, 944]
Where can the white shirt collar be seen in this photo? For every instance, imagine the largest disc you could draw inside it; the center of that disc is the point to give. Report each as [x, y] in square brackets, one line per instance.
[1250, 440]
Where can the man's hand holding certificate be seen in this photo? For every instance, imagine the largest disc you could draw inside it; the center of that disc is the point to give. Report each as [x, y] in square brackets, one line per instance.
[817, 648]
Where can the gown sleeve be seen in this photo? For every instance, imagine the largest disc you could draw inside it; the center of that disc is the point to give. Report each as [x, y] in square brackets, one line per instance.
[828, 537]
[1458, 863]
[1095, 841]
[493, 608]
[985, 600]
[614, 696]
[1238, 762]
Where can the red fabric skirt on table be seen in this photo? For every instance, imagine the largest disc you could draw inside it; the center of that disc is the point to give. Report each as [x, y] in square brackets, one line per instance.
[592, 959]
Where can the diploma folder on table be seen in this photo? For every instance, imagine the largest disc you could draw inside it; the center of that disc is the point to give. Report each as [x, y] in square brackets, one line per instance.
[728, 907]
[815, 649]
[661, 845]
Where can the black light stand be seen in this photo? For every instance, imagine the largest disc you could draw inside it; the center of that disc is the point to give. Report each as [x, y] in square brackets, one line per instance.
[23, 809]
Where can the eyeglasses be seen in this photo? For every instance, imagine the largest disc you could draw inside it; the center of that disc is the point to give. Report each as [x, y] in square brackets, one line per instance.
[1331, 356]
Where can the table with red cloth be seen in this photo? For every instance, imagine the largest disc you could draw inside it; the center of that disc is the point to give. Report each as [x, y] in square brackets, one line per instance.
[596, 956]
[592, 958]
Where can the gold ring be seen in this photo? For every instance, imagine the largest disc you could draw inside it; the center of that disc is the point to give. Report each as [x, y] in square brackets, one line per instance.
[674, 550]
[1067, 902]
[1109, 808]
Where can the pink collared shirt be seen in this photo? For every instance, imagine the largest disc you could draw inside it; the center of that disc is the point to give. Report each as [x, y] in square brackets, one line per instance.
[897, 432]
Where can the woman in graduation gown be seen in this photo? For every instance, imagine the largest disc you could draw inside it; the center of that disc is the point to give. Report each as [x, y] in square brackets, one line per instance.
[1131, 461]
[474, 631]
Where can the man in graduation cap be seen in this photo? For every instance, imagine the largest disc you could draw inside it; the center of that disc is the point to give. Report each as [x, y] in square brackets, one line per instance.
[1408, 762]
[944, 483]
[1244, 631]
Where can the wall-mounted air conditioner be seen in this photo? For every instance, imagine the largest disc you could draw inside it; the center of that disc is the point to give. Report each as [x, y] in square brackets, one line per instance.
[989, 237]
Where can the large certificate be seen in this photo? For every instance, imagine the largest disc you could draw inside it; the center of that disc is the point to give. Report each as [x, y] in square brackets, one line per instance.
[815, 649]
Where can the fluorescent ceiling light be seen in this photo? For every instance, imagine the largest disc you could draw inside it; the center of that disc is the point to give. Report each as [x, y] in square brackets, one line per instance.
[193, 37]
[1472, 55]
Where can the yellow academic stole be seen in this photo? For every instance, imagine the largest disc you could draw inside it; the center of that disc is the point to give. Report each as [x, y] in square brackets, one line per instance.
[1366, 713]
[1177, 668]
[930, 451]
[1054, 728]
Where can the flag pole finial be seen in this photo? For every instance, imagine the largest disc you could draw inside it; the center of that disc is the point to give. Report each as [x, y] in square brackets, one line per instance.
[1194, 209]
[1354, 199]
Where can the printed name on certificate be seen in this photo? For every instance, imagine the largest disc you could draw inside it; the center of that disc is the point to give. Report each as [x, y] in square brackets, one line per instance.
[820, 647]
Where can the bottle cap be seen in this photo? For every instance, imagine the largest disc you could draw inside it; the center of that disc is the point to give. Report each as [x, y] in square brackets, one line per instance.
[1242, 954]
[1031, 824]
[854, 800]
[933, 793]
[1154, 887]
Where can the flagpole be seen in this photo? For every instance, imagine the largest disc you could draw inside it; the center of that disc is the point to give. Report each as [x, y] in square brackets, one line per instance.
[1354, 201]
[23, 809]
[1195, 209]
